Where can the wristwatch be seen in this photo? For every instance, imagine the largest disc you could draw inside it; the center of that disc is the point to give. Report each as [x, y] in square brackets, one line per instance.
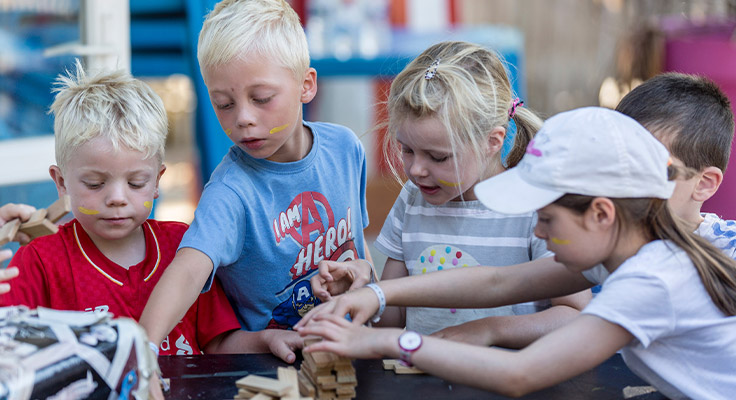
[409, 342]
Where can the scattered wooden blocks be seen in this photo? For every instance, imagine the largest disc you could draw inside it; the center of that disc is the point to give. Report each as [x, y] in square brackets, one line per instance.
[257, 387]
[41, 223]
[399, 368]
[327, 376]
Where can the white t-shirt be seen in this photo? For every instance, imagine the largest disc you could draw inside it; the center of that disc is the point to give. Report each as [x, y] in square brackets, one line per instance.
[684, 345]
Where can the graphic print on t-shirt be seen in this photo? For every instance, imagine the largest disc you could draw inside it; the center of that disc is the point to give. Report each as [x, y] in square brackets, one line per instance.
[310, 222]
[439, 257]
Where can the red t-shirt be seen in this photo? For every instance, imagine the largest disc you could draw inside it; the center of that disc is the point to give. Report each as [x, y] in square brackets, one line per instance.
[66, 271]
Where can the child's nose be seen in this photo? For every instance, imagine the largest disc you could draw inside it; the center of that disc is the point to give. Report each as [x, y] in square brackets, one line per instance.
[246, 117]
[117, 195]
[538, 232]
[417, 168]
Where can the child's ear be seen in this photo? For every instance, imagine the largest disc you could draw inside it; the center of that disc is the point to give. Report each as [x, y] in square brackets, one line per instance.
[309, 86]
[495, 140]
[58, 178]
[601, 213]
[708, 184]
[158, 180]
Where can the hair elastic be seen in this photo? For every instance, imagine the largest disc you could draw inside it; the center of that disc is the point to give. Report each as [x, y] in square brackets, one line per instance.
[432, 69]
[516, 103]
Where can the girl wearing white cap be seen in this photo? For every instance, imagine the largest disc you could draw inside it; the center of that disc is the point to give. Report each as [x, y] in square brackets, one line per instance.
[600, 182]
[449, 112]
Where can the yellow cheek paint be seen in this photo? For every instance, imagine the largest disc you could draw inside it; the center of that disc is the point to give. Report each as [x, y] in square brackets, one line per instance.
[559, 241]
[278, 129]
[228, 132]
[87, 211]
[451, 184]
[147, 204]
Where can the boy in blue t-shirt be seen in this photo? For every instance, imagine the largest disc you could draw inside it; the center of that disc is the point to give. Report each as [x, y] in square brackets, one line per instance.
[288, 194]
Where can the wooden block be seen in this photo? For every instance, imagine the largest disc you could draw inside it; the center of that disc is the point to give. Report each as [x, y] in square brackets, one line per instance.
[345, 374]
[306, 387]
[288, 376]
[269, 386]
[262, 396]
[326, 379]
[309, 341]
[345, 391]
[8, 231]
[38, 215]
[404, 370]
[39, 228]
[245, 394]
[390, 365]
[323, 358]
[59, 209]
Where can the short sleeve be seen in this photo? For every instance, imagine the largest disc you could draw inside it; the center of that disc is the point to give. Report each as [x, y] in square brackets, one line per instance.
[219, 227]
[389, 240]
[638, 302]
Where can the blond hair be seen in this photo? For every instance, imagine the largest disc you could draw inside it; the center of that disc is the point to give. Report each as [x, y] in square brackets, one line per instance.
[113, 105]
[237, 29]
[469, 93]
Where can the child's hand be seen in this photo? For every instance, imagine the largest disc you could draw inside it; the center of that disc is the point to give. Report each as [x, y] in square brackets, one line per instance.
[282, 343]
[475, 332]
[12, 211]
[349, 339]
[7, 273]
[336, 278]
[361, 304]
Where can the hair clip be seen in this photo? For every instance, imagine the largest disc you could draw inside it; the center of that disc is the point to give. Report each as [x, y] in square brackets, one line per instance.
[516, 103]
[432, 69]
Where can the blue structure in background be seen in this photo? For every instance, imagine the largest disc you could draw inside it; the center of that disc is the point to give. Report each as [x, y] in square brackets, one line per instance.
[163, 41]
[164, 37]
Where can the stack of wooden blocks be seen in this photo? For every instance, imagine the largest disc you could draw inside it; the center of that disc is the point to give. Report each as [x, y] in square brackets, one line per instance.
[326, 376]
[256, 387]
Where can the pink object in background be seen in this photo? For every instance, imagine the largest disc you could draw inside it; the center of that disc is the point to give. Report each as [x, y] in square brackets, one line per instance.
[708, 50]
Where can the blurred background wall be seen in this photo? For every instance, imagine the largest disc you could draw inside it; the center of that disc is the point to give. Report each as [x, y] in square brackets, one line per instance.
[561, 54]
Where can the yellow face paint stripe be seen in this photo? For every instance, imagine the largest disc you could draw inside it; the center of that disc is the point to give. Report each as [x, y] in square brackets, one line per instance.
[147, 204]
[278, 129]
[87, 211]
[451, 184]
[559, 241]
[228, 132]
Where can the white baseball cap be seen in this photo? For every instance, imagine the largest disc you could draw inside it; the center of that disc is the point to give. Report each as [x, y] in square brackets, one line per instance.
[590, 151]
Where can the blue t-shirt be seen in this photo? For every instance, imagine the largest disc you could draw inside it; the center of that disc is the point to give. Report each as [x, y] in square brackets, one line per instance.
[266, 225]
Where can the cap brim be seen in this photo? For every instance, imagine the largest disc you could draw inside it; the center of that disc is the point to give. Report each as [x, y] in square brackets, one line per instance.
[509, 193]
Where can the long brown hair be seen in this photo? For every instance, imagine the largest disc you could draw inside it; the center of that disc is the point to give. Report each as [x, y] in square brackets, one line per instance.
[717, 271]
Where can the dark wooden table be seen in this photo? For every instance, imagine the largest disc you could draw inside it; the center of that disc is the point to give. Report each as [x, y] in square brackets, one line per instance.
[214, 376]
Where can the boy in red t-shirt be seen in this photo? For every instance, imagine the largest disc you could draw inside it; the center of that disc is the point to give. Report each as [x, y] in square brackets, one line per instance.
[110, 131]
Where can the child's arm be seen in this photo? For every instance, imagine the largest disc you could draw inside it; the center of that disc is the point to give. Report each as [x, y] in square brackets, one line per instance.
[518, 331]
[281, 343]
[563, 354]
[393, 316]
[175, 292]
[472, 287]
[6, 273]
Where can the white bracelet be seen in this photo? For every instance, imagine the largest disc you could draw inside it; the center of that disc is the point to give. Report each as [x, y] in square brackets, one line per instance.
[374, 275]
[381, 301]
[153, 347]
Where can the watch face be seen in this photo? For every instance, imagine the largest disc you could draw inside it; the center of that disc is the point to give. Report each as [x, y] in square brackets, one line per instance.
[410, 340]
